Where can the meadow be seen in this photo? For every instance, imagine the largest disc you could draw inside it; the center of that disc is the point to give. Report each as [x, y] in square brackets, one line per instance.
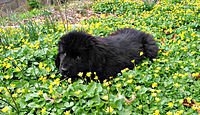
[30, 83]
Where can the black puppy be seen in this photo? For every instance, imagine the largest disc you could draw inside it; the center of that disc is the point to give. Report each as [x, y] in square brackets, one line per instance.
[82, 52]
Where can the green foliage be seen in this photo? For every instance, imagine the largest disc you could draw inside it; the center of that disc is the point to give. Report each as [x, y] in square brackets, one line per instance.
[119, 6]
[149, 4]
[33, 4]
[28, 73]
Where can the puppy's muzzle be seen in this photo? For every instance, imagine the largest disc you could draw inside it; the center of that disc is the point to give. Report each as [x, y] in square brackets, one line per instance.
[64, 70]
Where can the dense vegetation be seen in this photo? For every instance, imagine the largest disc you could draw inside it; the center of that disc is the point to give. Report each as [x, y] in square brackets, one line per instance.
[170, 85]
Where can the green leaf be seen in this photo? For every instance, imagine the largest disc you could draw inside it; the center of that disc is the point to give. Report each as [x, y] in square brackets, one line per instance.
[22, 103]
[119, 104]
[34, 105]
[99, 88]
[91, 90]
[125, 112]
[30, 96]
[67, 104]
[90, 102]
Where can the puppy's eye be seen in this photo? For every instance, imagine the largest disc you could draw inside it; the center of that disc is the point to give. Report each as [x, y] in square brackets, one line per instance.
[74, 55]
[78, 58]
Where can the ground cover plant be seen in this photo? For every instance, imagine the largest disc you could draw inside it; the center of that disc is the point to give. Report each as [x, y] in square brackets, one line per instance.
[30, 83]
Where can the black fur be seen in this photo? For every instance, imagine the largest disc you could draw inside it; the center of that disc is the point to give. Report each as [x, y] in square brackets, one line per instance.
[82, 52]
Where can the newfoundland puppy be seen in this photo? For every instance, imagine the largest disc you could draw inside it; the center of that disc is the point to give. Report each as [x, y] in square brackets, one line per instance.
[82, 52]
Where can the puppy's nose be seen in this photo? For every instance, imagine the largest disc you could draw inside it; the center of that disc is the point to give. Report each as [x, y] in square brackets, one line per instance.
[64, 69]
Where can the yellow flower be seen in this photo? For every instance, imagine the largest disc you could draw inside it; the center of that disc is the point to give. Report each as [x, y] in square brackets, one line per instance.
[57, 81]
[43, 110]
[80, 74]
[194, 107]
[193, 52]
[174, 77]
[118, 85]
[133, 61]
[67, 112]
[180, 112]
[158, 91]
[41, 78]
[117, 79]
[195, 74]
[157, 99]
[141, 53]
[130, 81]
[182, 67]
[180, 62]
[96, 77]
[140, 106]
[50, 86]
[138, 67]
[109, 110]
[45, 65]
[7, 93]
[156, 75]
[154, 85]
[180, 101]
[48, 69]
[88, 74]
[5, 109]
[18, 69]
[170, 104]
[177, 85]
[12, 85]
[40, 66]
[77, 92]
[14, 95]
[138, 87]
[169, 113]
[105, 80]
[44, 79]
[167, 68]
[7, 77]
[18, 90]
[154, 94]
[40, 92]
[8, 65]
[50, 91]
[124, 79]
[156, 71]
[69, 80]
[54, 96]
[123, 71]
[153, 90]
[130, 76]
[157, 112]
[105, 97]
[106, 84]
[154, 59]
[53, 76]
[189, 99]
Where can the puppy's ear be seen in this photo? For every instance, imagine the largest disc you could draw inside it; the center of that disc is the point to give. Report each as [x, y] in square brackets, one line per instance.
[98, 52]
[57, 61]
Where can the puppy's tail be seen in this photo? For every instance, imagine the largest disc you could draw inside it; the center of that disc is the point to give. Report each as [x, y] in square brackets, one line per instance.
[150, 47]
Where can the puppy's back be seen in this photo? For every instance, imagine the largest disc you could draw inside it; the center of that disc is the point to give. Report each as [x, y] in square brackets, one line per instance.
[129, 39]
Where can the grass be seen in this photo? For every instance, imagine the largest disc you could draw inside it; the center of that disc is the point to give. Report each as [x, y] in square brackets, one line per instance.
[170, 85]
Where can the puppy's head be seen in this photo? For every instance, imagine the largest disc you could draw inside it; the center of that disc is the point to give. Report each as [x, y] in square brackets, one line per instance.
[76, 53]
